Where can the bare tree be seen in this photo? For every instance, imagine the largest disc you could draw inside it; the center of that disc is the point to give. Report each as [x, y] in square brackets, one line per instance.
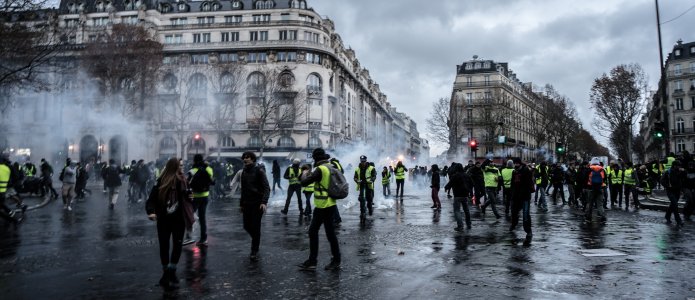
[182, 105]
[274, 106]
[440, 123]
[125, 60]
[618, 99]
[228, 82]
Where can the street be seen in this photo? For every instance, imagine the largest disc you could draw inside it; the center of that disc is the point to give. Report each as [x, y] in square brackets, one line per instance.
[402, 252]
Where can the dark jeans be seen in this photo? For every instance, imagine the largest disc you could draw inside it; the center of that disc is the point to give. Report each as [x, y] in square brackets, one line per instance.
[167, 227]
[689, 195]
[525, 206]
[323, 216]
[491, 199]
[200, 205]
[616, 194]
[630, 190]
[294, 189]
[48, 185]
[435, 198]
[366, 197]
[387, 189]
[399, 187]
[673, 197]
[595, 197]
[458, 203]
[252, 215]
[558, 188]
[276, 181]
[307, 195]
[507, 200]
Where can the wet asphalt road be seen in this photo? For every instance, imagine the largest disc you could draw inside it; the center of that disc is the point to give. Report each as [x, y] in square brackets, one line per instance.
[402, 252]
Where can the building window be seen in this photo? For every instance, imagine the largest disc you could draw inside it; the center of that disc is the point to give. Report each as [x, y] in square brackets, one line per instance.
[692, 102]
[168, 60]
[101, 21]
[232, 19]
[692, 84]
[288, 35]
[680, 125]
[488, 96]
[257, 57]
[265, 4]
[312, 37]
[201, 37]
[679, 85]
[253, 35]
[132, 20]
[286, 79]
[167, 143]
[469, 114]
[178, 21]
[487, 80]
[71, 22]
[236, 4]
[486, 65]
[230, 37]
[229, 57]
[286, 142]
[227, 142]
[206, 20]
[173, 39]
[314, 85]
[469, 98]
[677, 69]
[314, 142]
[169, 82]
[305, 18]
[677, 52]
[265, 18]
[680, 145]
[254, 142]
[469, 66]
[313, 58]
[199, 59]
[679, 103]
[284, 17]
[469, 81]
[263, 36]
[287, 56]
[692, 67]
[198, 86]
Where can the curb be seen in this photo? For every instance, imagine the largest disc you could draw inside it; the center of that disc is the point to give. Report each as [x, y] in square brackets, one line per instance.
[47, 199]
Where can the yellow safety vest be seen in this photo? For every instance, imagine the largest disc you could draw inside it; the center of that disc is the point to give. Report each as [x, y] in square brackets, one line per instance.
[507, 177]
[203, 194]
[539, 180]
[4, 177]
[617, 177]
[308, 188]
[321, 199]
[629, 180]
[400, 172]
[368, 174]
[294, 178]
[492, 177]
[385, 177]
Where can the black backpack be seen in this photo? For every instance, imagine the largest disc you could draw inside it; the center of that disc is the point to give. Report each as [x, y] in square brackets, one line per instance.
[201, 181]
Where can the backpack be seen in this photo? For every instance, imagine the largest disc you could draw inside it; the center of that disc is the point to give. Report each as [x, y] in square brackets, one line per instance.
[201, 181]
[595, 178]
[338, 187]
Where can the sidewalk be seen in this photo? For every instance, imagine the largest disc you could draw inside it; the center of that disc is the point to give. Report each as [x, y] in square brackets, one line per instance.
[659, 201]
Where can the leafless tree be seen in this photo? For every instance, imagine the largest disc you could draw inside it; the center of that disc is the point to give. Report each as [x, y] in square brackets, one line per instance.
[274, 106]
[441, 121]
[182, 104]
[228, 81]
[125, 60]
[618, 99]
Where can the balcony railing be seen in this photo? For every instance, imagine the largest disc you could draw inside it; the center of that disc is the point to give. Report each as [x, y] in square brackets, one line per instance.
[278, 23]
[683, 131]
[245, 44]
[682, 72]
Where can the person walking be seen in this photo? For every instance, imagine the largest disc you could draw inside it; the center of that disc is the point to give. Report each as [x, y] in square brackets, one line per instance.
[276, 175]
[507, 188]
[47, 178]
[307, 191]
[292, 174]
[570, 176]
[112, 181]
[400, 179]
[68, 178]
[595, 183]
[200, 178]
[364, 178]
[435, 186]
[255, 192]
[493, 184]
[541, 175]
[629, 179]
[386, 181]
[558, 181]
[673, 181]
[522, 188]
[689, 191]
[6, 182]
[323, 212]
[461, 185]
[169, 204]
[615, 187]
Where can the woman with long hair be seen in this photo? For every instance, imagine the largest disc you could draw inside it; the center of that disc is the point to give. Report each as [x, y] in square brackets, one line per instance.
[169, 204]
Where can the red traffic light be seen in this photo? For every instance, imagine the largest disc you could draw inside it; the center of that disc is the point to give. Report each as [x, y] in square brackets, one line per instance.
[197, 136]
[473, 143]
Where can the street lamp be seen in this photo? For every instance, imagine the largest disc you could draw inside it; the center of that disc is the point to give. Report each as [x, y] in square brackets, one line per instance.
[196, 142]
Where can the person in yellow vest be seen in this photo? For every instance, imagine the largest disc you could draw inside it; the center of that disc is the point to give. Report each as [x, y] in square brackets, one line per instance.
[629, 182]
[308, 191]
[542, 181]
[365, 175]
[292, 175]
[669, 161]
[200, 186]
[507, 184]
[386, 181]
[400, 178]
[29, 169]
[324, 211]
[493, 183]
[5, 183]
[615, 180]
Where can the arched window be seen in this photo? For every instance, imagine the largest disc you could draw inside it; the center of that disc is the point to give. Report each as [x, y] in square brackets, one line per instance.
[680, 125]
[205, 6]
[126, 85]
[100, 6]
[286, 79]
[294, 4]
[129, 5]
[197, 86]
[169, 82]
[256, 84]
[314, 85]
[254, 141]
[227, 83]
[286, 142]
[167, 142]
[314, 142]
[302, 4]
[236, 4]
[165, 8]
[227, 142]
[216, 6]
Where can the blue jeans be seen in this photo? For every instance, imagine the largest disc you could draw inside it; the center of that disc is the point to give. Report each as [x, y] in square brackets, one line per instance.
[525, 206]
[458, 203]
[673, 197]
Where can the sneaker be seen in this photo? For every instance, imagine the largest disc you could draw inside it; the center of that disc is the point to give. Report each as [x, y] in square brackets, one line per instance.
[458, 229]
[254, 257]
[203, 243]
[433, 206]
[284, 212]
[333, 265]
[308, 265]
[69, 207]
[188, 242]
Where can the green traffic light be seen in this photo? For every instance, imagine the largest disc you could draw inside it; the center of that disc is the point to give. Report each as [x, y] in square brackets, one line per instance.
[659, 135]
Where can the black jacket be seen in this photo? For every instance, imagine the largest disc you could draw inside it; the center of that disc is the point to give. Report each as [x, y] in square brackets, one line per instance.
[522, 184]
[435, 180]
[460, 183]
[255, 189]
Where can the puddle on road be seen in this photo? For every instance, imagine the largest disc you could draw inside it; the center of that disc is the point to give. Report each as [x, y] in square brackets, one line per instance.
[600, 253]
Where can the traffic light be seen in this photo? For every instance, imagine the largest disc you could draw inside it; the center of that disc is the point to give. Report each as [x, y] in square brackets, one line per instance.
[196, 137]
[560, 148]
[659, 130]
[474, 145]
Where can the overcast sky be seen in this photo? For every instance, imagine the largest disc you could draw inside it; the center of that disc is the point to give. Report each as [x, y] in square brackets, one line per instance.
[412, 47]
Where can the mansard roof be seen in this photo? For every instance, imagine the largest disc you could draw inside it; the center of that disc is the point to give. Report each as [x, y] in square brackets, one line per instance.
[90, 6]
